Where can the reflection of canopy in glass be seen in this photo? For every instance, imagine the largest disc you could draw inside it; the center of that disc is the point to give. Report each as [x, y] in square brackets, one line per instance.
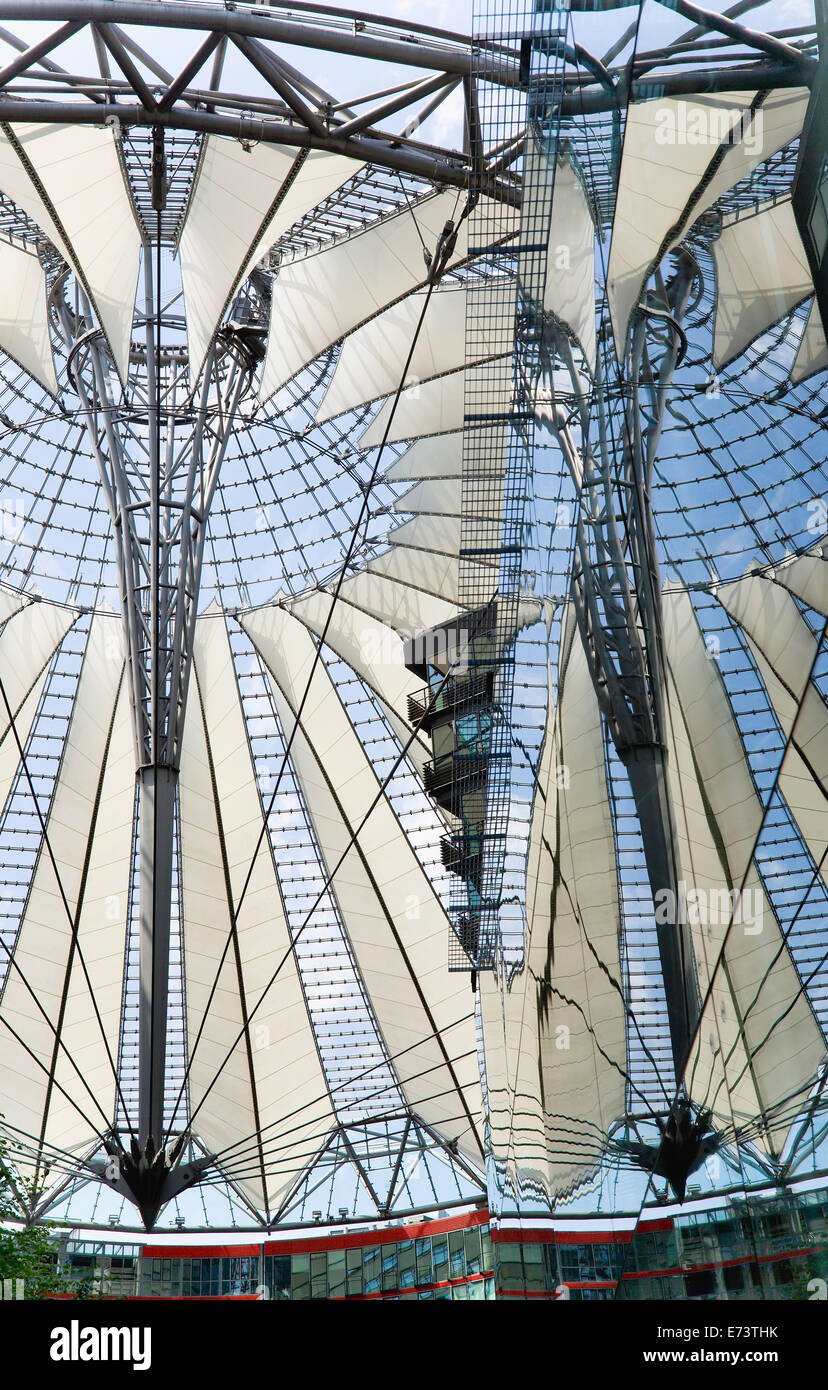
[238, 506]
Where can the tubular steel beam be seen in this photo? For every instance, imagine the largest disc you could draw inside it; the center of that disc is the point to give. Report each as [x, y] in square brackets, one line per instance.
[432, 167]
[441, 51]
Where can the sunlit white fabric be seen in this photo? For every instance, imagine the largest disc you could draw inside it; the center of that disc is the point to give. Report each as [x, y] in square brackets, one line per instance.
[784, 648]
[807, 575]
[570, 265]
[90, 835]
[668, 178]
[242, 202]
[319, 298]
[812, 354]
[24, 325]
[437, 458]
[397, 927]
[436, 407]
[70, 181]
[377, 653]
[758, 1046]
[762, 273]
[374, 358]
[274, 1065]
[555, 1068]
[28, 641]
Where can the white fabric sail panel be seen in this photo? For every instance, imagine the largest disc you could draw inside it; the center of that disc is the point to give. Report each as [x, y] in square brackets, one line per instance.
[669, 146]
[80, 171]
[429, 550]
[11, 601]
[320, 298]
[17, 184]
[320, 174]
[374, 358]
[812, 353]
[28, 641]
[569, 294]
[551, 1105]
[806, 577]
[434, 497]
[784, 648]
[437, 407]
[431, 572]
[23, 721]
[232, 200]
[761, 273]
[759, 1043]
[221, 818]
[441, 534]
[24, 323]
[90, 833]
[401, 607]
[436, 458]
[238, 208]
[376, 653]
[422, 1010]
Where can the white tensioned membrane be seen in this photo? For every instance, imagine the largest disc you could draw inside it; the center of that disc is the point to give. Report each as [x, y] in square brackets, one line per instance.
[758, 1047]
[69, 180]
[374, 358]
[425, 551]
[569, 294]
[377, 654]
[320, 298]
[555, 1042]
[668, 179]
[31, 634]
[435, 407]
[397, 928]
[48, 1025]
[437, 458]
[761, 273]
[24, 324]
[241, 203]
[784, 648]
[273, 1082]
[806, 577]
[812, 355]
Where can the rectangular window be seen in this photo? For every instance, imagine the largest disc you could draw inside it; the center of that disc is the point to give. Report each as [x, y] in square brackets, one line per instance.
[471, 1242]
[389, 1268]
[354, 1272]
[280, 1276]
[336, 1273]
[406, 1270]
[423, 1255]
[371, 1269]
[300, 1276]
[533, 1268]
[319, 1275]
[511, 1266]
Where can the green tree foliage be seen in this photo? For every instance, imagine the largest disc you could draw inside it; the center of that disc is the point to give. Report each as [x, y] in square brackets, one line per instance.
[26, 1251]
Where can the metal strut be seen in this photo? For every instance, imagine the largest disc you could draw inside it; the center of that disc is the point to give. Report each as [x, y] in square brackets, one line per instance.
[616, 593]
[159, 450]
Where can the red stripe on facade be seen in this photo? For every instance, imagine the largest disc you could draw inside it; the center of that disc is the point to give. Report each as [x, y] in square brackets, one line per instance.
[392, 1235]
[544, 1235]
